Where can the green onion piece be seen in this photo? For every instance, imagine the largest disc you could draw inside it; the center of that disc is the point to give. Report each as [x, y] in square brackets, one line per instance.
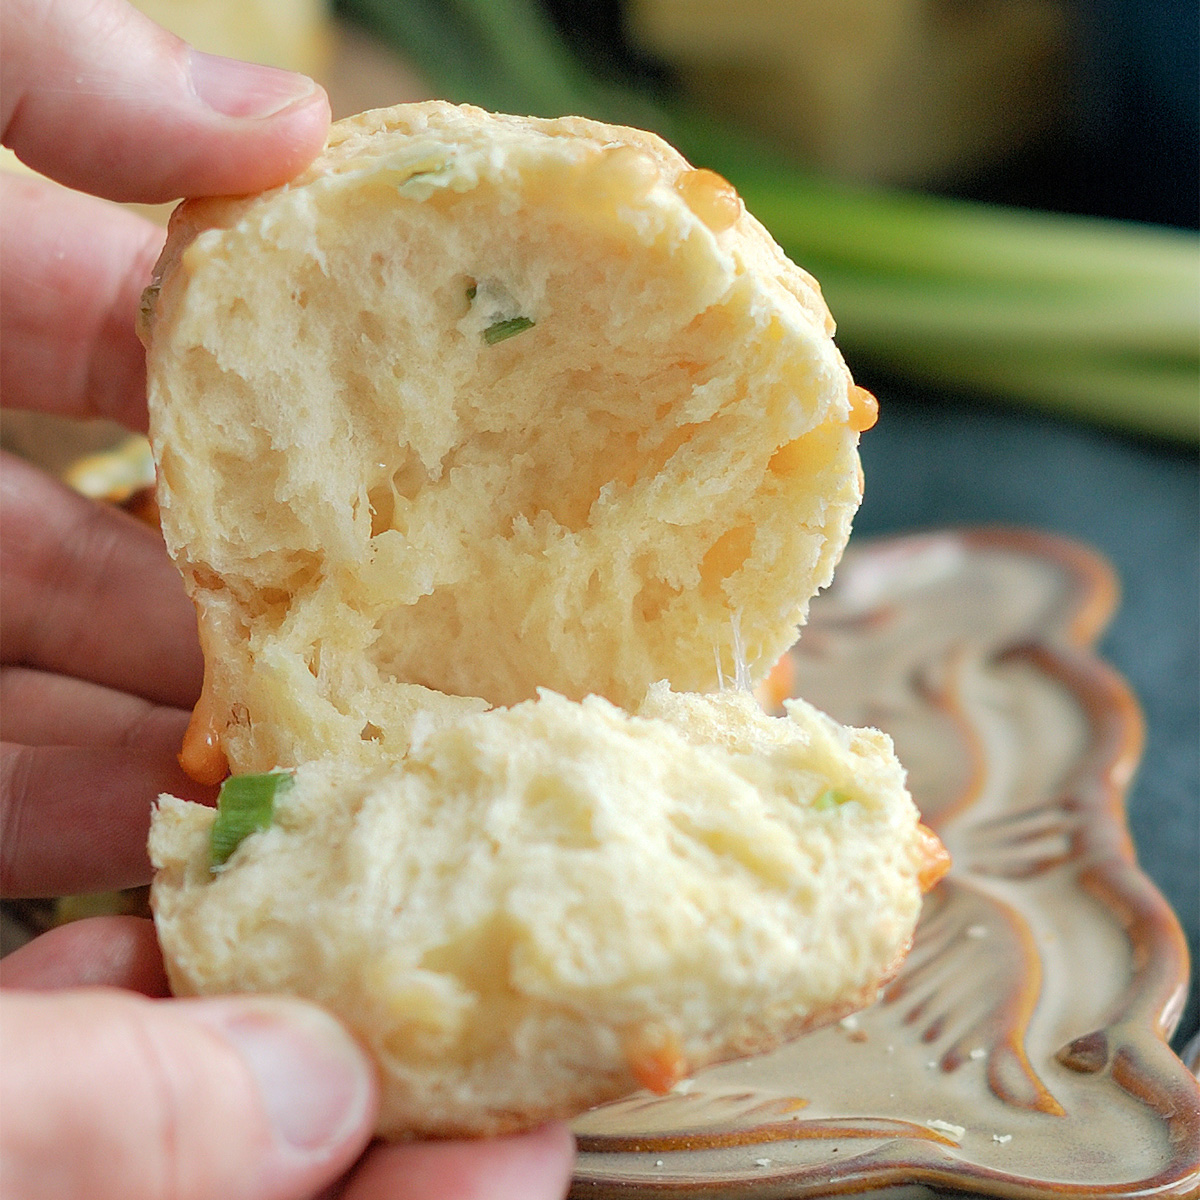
[503, 330]
[830, 798]
[245, 804]
[472, 291]
[431, 164]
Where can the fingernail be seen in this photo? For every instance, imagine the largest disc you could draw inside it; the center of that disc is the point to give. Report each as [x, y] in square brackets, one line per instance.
[317, 1085]
[241, 89]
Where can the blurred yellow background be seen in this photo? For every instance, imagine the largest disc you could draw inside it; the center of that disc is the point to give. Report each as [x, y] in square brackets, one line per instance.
[895, 91]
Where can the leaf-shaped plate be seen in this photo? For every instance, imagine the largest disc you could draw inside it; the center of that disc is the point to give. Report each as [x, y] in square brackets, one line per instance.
[1022, 1050]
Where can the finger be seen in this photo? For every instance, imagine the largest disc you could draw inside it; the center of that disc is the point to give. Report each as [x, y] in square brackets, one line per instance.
[98, 952]
[89, 592]
[100, 98]
[245, 1099]
[72, 270]
[41, 709]
[75, 819]
[532, 1166]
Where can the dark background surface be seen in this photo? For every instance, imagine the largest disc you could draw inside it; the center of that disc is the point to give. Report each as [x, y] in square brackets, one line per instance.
[1128, 147]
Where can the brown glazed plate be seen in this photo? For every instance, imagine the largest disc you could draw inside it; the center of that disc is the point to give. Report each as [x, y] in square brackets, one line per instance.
[1022, 1050]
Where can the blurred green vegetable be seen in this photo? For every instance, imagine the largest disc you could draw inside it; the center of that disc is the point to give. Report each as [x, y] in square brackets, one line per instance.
[1097, 318]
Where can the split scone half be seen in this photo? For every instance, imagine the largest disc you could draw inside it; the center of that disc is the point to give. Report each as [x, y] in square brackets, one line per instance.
[501, 457]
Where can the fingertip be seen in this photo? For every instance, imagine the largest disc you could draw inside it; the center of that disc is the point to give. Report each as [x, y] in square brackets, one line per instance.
[554, 1142]
[255, 127]
[239, 89]
[104, 100]
[288, 114]
[318, 1088]
[235, 1097]
[555, 1146]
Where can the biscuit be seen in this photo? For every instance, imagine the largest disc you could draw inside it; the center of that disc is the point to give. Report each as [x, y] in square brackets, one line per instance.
[502, 457]
[489, 404]
[548, 906]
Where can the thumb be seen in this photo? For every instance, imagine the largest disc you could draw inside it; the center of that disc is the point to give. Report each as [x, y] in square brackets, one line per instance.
[99, 97]
[109, 1096]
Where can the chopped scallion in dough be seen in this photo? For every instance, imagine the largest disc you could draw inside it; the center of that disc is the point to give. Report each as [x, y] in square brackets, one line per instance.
[246, 804]
[830, 798]
[503, 330]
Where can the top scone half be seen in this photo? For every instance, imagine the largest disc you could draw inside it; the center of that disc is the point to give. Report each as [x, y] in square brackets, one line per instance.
[501, 457]
[480, 404]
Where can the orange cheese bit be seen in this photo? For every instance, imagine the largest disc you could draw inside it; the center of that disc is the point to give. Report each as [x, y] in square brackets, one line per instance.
[779, 684]
[656, 1059]
[935, 859]
[201, 757]
[711, 198]
[143, 504]
[864, 409]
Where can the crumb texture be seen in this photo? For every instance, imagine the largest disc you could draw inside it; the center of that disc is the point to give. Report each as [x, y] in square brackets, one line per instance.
[512, 946]
[501, 457]
[488, 407]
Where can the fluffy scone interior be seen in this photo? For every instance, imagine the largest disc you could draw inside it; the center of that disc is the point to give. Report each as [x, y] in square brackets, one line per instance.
[490, 449]
[394, 491]
[551, 904]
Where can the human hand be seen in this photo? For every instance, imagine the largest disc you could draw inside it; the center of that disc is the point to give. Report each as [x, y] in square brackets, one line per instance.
[108, 1095]
[106, 1092]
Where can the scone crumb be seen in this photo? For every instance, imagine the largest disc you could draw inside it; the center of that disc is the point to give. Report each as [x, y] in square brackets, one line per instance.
[952, 1131]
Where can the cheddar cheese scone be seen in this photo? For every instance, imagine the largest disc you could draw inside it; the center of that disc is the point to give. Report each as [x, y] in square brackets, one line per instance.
[501, 457]
[551, 905]
[480, 404]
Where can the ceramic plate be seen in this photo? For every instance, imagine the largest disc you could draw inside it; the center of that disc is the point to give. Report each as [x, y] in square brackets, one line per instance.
[1021, 1051]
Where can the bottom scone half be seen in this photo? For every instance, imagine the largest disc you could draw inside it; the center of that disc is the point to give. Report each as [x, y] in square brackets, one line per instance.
[549, 906]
